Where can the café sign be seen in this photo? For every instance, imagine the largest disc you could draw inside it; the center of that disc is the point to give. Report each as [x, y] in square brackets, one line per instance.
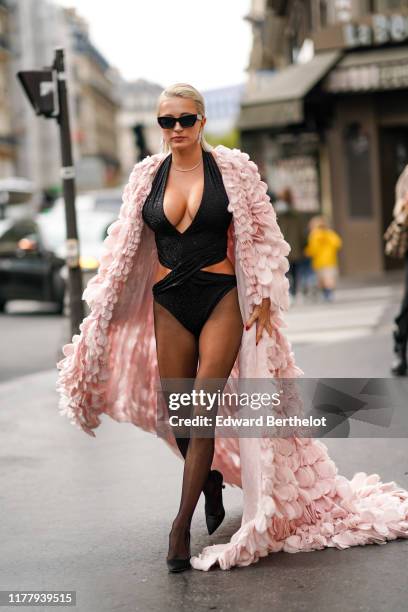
[383, 29]
[369, 31]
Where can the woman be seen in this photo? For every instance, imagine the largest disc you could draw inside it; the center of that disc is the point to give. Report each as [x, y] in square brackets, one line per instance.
[396, 237]
[137, 332]
[197, 320]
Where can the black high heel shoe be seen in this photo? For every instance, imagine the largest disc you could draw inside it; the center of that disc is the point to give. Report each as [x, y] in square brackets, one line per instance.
[399, 366]
[214, 520]
[179, 564]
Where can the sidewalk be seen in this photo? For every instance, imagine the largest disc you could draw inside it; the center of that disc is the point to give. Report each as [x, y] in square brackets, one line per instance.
[390, 277]
[93, 515]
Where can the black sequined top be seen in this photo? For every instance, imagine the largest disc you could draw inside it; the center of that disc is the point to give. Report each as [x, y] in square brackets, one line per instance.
[204, 242]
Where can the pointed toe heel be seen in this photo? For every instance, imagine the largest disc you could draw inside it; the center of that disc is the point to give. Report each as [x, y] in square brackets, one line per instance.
[214, 519]
[179, 564]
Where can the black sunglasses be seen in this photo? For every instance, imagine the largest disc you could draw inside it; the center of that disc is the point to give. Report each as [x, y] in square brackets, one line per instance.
[185, 121]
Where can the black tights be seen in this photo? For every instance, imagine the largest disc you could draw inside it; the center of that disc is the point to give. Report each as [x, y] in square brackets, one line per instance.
[178, 355]
[401, 320]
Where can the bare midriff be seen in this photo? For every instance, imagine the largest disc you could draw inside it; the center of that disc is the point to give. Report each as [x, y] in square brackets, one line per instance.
[222, 267]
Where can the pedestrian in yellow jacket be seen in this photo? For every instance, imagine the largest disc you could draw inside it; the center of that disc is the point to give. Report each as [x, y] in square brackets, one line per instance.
[322, 246]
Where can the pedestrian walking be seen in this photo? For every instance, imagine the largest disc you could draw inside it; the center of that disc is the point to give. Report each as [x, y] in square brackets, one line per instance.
[396, 245]
[322, 246]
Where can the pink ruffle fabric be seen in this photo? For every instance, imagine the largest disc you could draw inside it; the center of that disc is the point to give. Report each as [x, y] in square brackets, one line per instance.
[294, 500]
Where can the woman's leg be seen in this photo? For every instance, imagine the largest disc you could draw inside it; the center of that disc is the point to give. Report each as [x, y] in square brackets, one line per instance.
[177, 355]
[219, 343]
[400, 331]
[292, 278]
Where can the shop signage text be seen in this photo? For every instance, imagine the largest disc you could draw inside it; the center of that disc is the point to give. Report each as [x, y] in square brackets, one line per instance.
[383, 29]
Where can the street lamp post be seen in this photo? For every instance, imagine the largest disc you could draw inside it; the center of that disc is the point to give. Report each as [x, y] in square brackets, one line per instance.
[47, 92]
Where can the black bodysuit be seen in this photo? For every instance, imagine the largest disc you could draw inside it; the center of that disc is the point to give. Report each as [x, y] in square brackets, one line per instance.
[188, 292]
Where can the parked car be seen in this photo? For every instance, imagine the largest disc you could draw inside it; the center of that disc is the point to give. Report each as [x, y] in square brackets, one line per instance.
[29, 269]
[96, 211]
[33, 250]
[102, 200]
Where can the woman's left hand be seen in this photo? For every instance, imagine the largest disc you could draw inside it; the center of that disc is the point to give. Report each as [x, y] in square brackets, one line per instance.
[262, 315]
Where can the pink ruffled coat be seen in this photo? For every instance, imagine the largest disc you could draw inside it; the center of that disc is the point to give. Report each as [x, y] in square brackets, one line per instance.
[294, 499]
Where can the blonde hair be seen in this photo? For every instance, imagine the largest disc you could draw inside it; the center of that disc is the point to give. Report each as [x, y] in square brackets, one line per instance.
[319, 222]
[184, 90]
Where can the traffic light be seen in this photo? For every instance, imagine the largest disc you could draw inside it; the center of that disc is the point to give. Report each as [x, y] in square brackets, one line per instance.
[140, 141]
[42, 91]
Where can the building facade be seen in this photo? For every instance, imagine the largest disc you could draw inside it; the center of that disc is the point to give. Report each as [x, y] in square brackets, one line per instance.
[95, 106]
[36, 28]
[7, 137]
[335, 129]
[138, 131]
[222, 106]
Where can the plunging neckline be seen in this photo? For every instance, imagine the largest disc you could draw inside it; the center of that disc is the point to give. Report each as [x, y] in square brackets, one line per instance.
[201, 203]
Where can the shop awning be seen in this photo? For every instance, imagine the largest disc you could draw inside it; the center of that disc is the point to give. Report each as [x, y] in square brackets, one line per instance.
[378, 69]
[278, 100]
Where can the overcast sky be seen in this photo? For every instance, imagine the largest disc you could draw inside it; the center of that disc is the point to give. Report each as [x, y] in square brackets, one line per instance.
[202, 42]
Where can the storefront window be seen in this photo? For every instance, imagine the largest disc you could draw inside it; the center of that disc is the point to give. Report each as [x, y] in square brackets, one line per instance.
[358, 168]
[299, 175]
[291, 162]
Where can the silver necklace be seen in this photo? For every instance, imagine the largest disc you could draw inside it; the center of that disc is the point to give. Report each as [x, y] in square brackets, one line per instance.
[187, 169]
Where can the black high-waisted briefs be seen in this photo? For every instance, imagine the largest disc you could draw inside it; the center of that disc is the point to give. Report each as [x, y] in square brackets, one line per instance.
[193, 301]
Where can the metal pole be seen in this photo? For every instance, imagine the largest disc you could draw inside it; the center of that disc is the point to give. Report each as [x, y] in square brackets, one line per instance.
[68, 178]
[4, 198]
